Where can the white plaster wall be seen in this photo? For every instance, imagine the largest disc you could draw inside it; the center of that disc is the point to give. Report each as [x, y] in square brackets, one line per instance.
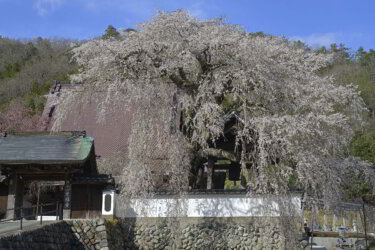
[208, 207]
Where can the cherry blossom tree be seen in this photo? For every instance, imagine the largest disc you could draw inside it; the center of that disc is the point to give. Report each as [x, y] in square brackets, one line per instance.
[296, 121]
[18, 118]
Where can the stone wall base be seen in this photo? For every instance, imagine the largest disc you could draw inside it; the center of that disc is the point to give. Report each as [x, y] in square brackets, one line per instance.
[258, 233]
[196, 233]
[64, 235]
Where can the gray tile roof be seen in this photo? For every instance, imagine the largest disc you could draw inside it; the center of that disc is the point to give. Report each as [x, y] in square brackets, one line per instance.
[44, 148]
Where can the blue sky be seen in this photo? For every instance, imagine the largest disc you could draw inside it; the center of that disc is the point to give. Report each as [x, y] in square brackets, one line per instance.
[317, 22]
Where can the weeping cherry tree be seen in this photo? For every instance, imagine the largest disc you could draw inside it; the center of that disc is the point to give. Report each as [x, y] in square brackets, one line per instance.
[296, 122]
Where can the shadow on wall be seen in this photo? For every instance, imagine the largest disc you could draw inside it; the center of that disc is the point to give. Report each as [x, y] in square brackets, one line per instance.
[197, 221]
[206, 206]
[55, 236]
[229, 207]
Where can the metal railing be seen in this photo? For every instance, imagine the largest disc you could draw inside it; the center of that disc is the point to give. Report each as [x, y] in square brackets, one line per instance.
[362, 214]
[39, 212]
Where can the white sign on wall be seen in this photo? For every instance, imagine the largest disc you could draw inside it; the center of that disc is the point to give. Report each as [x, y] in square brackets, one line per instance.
[108, 201]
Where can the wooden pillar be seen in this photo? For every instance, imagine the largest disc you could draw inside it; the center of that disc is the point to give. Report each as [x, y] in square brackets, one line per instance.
[67, 200]
[313, 219]
[3, 200]
[199, 181]
[210, 172]
[89, 202]
[15, 196]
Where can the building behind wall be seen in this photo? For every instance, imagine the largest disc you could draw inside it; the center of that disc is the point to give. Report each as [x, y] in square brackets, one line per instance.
[220, 164]
[111, 135]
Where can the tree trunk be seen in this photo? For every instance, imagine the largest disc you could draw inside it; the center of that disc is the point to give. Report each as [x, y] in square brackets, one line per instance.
[210, 172]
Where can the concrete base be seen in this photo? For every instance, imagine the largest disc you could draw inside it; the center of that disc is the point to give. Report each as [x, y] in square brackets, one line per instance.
[66, 214]
[47, 218]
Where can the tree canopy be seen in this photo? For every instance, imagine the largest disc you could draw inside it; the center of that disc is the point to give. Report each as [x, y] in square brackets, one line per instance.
[110, 32]
[295, 121]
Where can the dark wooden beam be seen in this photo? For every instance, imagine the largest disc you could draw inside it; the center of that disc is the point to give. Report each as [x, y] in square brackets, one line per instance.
[220, 154]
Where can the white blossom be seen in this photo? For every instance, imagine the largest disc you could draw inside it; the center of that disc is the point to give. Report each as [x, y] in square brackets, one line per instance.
[295, 119]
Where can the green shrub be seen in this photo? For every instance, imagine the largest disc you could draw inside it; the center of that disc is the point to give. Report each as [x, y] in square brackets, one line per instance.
[363, 145]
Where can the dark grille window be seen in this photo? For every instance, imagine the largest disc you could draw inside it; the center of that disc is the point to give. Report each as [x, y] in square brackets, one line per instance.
[107, 202]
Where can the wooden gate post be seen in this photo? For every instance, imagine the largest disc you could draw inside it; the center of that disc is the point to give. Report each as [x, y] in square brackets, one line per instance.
[15, 196]
[67, 200]
[210, 172]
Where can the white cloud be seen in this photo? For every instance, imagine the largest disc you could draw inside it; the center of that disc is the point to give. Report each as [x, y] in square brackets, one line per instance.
[319, 40]
[135, 7]
[91, 5]
[45, 7]
[145, 8]
[197, 10]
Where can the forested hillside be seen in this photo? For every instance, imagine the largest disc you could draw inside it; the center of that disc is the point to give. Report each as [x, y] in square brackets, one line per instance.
[357, 68]
[27, 70]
